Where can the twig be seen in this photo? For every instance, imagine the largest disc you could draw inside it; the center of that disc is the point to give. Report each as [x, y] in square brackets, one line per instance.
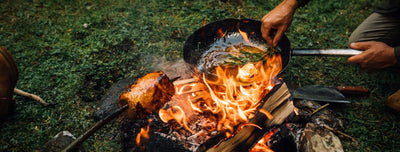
[339, 132]
[32, 96]
[320, 108]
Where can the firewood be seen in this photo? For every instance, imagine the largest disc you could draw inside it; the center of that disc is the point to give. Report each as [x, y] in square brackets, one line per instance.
[277, 103]
[149, 94]
[184, 81]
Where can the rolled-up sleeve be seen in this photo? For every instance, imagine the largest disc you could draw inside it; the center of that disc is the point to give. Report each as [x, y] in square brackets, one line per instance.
[397, 54]
[302, 2]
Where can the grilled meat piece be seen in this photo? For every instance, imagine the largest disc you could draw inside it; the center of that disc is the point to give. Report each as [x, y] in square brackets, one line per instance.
[149, 94]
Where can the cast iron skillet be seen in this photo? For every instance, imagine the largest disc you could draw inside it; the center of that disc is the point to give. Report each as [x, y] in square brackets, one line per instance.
[204, 38]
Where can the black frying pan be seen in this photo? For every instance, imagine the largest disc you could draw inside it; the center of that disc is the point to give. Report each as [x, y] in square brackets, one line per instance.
[205, 39]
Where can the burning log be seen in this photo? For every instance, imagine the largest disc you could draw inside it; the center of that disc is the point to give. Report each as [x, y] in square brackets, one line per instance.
[223, 101]
[277, 103]
[149, 94]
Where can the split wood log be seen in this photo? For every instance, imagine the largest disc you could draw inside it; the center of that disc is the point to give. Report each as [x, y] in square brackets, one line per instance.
[32, 96]
[277, 103]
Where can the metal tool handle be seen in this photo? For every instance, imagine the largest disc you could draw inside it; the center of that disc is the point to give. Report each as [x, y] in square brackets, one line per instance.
[325, 52]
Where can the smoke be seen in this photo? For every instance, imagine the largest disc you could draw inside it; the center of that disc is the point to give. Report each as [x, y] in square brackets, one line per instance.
[173, 69]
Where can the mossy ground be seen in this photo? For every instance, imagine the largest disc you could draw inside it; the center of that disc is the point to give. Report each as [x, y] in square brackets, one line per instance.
[71, 52]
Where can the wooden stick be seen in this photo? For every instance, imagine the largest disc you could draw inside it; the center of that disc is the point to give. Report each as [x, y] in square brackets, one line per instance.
[97, 126]
[32, 96]
[322, 107]
[185, 81]
[339, 132]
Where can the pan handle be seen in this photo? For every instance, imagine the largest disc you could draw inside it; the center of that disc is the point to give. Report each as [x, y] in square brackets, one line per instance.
[325, 52]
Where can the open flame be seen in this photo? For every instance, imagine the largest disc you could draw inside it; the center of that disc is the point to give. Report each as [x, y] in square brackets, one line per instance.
[206, 107]
[261, 145]
[231, 99]
[244, 35]
[143, 135]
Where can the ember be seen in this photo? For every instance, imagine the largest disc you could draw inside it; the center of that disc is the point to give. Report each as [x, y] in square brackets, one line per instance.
[261, 145]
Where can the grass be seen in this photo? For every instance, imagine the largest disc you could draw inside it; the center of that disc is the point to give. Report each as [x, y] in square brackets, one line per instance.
[71, 52]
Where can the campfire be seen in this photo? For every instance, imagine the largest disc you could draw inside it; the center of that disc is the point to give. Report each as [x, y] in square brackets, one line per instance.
[202, 109]
[244, 106]
[223, 102]
[222, 107]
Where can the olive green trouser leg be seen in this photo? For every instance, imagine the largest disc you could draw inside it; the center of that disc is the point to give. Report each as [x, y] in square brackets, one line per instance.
[378, 27]
[382, 28]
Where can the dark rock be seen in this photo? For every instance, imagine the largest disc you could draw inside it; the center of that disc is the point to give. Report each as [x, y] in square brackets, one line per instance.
[59, 142]
[317, 139]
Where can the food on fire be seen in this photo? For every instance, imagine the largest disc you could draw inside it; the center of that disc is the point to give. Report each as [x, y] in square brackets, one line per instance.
[246, 72]
[149, 94]
[233, 55]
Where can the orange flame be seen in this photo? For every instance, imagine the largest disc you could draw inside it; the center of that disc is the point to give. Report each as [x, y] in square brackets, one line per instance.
[205, 21]
[262, 146]
[143, 136]
[175, 113]
[220, 33]
[244, 35]
[266, 113]
[232, 98]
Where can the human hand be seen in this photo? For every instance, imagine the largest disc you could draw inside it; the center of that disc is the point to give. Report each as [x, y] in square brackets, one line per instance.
[377, 55]
[280, 19]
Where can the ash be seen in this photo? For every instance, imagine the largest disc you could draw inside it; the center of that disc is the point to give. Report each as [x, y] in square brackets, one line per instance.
[170, 137]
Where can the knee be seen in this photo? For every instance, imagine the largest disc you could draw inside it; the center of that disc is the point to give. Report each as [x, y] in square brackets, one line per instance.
[354, 37]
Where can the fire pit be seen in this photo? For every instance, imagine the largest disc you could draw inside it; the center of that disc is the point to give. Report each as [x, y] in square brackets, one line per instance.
[223, 107]
[162, 136]
[200, 133]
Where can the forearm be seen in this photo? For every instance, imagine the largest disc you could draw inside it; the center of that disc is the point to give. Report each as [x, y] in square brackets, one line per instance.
[292, 5]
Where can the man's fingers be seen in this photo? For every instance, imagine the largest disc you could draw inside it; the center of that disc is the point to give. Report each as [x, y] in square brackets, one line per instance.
[352, 59]
[357, 58]
[266, 36]
[278, 37]
[360, 45]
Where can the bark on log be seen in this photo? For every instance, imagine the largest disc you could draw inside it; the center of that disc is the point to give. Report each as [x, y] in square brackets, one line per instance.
[277, 103]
